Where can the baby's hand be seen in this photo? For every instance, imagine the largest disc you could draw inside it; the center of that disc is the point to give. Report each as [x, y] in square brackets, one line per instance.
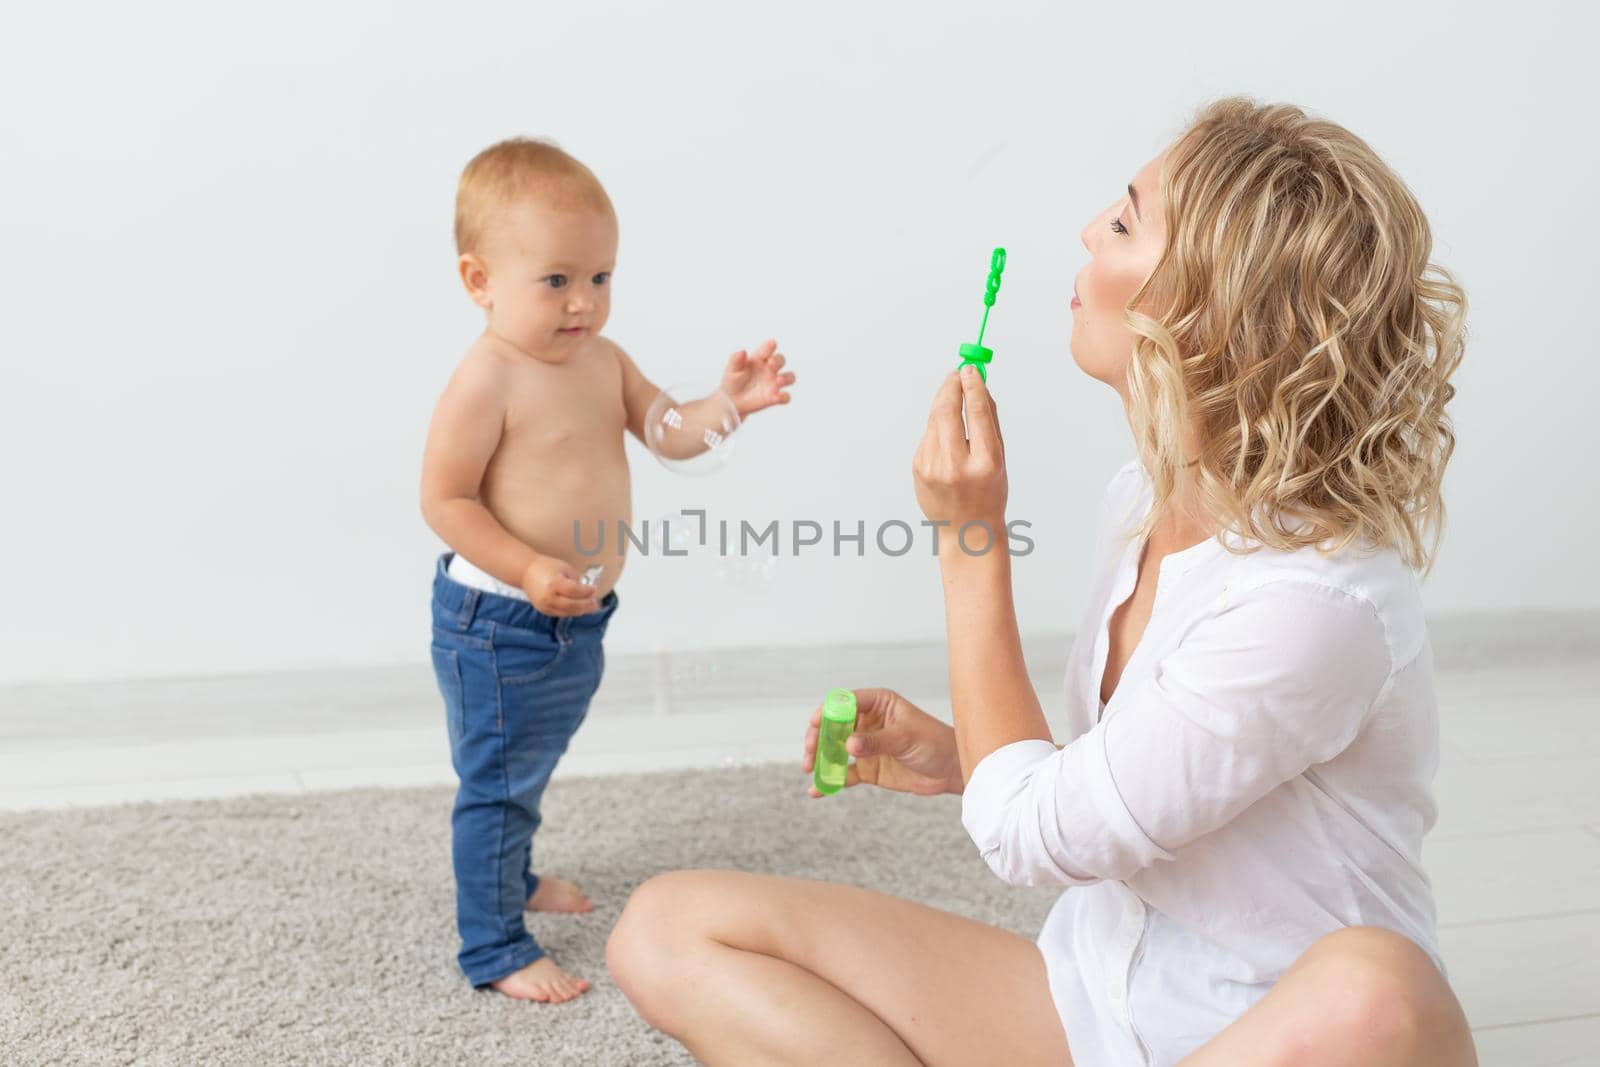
[553, 587]
[754, 380]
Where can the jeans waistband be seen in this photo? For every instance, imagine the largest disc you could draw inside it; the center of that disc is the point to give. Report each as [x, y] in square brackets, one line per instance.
[463, 604]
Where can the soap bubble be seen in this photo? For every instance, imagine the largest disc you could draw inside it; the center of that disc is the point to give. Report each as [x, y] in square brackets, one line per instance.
[679, 533]
[752, 574]
[692, 672]
[690, 430]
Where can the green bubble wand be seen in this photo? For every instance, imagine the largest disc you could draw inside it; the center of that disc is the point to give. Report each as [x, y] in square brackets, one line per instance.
[976, 354]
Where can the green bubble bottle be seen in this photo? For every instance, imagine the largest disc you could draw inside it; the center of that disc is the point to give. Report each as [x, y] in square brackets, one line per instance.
[838, 723]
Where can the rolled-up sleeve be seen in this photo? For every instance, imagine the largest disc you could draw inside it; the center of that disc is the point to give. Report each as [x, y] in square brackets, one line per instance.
[1281, 680]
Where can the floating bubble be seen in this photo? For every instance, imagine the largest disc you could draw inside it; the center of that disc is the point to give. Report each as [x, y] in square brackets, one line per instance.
[752, 574]
[690, 430]
[693, 671]
[678, 533]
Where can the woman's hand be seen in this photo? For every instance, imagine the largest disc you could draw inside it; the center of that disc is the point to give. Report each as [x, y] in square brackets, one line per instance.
[896, 746]
[756, 380]
[961, 475]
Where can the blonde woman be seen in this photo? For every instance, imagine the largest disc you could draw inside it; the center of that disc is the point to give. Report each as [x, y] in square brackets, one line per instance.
[1239, 809]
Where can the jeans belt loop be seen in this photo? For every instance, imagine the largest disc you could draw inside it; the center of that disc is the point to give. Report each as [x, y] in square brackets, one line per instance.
[469, 608]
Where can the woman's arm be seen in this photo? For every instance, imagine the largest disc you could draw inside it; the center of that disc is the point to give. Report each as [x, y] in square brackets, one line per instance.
[990, 692]
[1282, 679]
[961, 479]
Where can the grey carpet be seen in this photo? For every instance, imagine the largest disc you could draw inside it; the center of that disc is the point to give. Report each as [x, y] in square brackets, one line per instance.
[320, 929]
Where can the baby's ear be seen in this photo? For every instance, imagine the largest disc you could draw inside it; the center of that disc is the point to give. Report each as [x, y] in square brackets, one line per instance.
[475, 278]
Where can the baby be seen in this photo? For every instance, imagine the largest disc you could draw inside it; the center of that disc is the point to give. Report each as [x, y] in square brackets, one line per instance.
[525, 441]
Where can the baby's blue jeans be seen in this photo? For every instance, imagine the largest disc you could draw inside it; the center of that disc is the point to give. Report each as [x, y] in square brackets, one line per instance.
[516, 685]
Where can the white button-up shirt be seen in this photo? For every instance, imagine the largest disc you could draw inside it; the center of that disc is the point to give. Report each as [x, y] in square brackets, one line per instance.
[1261, 777]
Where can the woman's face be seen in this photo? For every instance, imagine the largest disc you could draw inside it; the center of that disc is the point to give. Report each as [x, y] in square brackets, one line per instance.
[1124, 242]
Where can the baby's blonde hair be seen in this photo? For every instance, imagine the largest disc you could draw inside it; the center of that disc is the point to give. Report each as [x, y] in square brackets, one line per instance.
[520, 167]
[1296, 320]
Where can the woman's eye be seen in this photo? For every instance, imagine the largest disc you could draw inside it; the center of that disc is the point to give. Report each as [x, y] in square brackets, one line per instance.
[1117, 226]
[602, 278]
[556, 281]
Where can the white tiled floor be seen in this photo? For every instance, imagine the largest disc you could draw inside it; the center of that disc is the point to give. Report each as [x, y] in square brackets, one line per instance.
[1515, 856]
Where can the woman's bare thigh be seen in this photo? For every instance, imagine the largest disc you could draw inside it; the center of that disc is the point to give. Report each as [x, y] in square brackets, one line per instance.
[955, 990]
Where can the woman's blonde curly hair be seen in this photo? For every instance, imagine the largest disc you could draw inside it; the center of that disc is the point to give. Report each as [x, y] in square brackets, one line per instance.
[1296, 323]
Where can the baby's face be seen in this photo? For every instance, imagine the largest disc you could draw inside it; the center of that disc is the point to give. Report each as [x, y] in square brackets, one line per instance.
[549, 277]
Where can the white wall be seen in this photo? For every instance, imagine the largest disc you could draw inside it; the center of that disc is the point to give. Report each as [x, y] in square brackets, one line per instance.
[229, 298]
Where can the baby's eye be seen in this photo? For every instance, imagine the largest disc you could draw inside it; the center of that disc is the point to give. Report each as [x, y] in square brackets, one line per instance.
[556, 281]
[602, 277]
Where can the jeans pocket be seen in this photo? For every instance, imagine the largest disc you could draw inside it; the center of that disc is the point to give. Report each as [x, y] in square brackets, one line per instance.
[523, 656]
[447, 669]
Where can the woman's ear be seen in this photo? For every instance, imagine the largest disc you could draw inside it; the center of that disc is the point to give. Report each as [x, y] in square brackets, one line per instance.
[475, 278]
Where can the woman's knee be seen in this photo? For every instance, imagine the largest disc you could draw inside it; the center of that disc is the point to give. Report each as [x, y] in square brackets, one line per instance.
[647, 945]
[1378, 987]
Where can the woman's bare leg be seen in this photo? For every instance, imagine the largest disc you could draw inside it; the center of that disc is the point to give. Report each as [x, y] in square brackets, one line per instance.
[753, 969]
[1359, 996]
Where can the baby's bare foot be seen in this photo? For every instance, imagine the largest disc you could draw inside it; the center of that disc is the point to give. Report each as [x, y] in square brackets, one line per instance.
[558, 894]
[542, 980]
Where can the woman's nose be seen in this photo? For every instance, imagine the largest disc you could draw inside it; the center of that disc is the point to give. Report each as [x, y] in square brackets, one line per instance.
[1097, 228]
[1090, 229]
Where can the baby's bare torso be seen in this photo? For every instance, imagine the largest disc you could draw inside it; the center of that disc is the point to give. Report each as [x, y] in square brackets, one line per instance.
[561, 456]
